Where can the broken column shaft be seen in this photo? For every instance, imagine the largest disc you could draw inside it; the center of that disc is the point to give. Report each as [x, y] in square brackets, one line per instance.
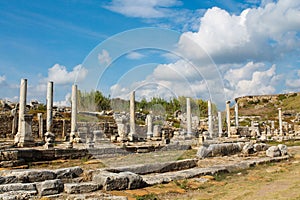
[228, 117]
[188, 116]
[210, 125]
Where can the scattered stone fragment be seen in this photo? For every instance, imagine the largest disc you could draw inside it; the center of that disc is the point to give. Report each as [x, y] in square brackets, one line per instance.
[283, 149]
[248, 148]
[273, 151]
[50, 187]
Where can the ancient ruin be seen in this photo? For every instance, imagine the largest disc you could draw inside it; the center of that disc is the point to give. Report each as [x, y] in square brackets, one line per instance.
[136, 149]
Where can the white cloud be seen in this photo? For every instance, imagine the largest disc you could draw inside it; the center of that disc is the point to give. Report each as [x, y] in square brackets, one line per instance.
[65, 102]
[142, 8]
[166, 81]
[251, 79]
[134, 55]
[104, 57]
[259, 34]
[61, 76]
[162, 13]
[294, 83]
[2, 80]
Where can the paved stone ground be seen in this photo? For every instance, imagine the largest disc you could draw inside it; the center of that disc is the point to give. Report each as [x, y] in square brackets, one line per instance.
[268, 181]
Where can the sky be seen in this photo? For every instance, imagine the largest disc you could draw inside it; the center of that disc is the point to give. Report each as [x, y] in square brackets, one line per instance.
[216, 50]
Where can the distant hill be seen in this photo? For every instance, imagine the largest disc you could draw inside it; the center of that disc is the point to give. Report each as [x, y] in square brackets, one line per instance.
[267, 106]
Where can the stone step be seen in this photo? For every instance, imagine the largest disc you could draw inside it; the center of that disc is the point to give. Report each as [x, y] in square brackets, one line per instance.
[118, 181]
[18, 187]
[84, 187]
[33, 175]
[153, 179]
[20, 194]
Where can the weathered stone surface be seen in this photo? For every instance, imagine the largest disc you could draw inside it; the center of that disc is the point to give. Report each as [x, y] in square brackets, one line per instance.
[248, 148]
[111, 181]
[283, 149]
[218, 150]
[260, 147]
[17, 187]
[273, 151]
[30, 176]
[8, 155]
[151, 179]
[50, 187]
[134, 181]
[75, 188]
[157, 167]
[17, 195]
[8, 179]
[67, 173]
[118, 181]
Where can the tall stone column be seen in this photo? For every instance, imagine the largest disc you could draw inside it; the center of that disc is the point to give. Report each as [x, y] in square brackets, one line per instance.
[220, 123]
[280, 121]
[188, 116]
[24, 136]
[210, 125]
[41, 125]
[228, 117]
[132, 133]
[149, 126]
[73, 115]
[236, 112]
[49, 136]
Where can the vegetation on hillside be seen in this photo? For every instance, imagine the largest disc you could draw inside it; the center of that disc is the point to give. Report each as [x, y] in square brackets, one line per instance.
[267, 106]
[96, 101]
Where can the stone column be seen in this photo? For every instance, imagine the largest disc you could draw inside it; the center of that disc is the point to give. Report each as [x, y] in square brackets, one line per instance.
[210, 125]
[22, 104]
[49, 136]
[220, 123]
[149, 126]
[280, 121]
[73, 115]
[188, 116]
[14, 128]
[228, 117]
[132, 133]
[24, 136]
[41, 125]
[236, 112]
[63, 134]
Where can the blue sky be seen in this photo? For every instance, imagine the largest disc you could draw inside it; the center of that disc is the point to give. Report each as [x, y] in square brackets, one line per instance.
[240, 47]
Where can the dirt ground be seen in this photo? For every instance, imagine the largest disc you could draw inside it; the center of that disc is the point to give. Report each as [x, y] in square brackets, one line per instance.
[269, 181]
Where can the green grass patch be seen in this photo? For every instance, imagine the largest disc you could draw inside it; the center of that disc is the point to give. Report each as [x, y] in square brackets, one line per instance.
[182, 184]
[150, 196]
[188, 154]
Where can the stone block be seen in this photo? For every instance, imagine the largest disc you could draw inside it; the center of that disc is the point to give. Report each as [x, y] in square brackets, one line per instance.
[218, 150]
[17, 187]
[30, 176]
[111, 181]
[77, 188]
[273, 151]
[248, 148]
[17, 195]
[50, 187]
[157, 167]
[67, 173]
[134, 181]
[283, 149]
